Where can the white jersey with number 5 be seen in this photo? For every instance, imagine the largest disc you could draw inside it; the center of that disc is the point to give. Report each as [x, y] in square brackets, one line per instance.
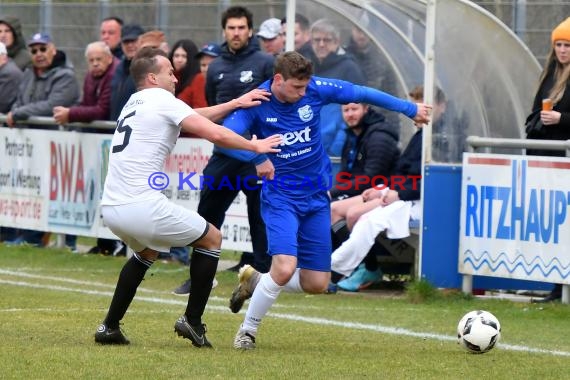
[146, 133]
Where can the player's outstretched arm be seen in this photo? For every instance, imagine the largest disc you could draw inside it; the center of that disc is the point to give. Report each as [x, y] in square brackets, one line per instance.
[226, 138]
[247, 100]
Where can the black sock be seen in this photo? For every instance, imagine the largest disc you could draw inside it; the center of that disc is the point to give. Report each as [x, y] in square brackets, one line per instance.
[371, 261]
[340, 231]
[130, 278]
[336, 277]
[202, 272]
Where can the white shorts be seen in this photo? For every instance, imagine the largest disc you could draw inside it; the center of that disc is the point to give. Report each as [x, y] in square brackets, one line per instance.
[156, 224]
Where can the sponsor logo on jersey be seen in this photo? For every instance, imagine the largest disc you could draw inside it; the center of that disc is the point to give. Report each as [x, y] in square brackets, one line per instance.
[305, 113]
[246, 76]
[293, 137]
[271, 120]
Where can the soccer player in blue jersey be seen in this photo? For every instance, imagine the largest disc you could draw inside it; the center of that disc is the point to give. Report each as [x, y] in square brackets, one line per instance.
[294, 200]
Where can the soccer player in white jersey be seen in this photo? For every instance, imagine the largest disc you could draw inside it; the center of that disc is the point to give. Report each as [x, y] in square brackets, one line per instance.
[144, 218]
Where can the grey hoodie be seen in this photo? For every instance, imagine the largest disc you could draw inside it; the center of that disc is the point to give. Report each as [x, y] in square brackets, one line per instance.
[18, 50]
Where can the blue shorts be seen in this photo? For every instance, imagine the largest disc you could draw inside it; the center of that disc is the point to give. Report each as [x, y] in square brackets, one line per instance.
[300, 228]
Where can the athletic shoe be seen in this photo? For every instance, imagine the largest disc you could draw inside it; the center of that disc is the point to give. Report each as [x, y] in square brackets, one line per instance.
[244, 340]
[105, 335]
[361, 278]
[184, 289]
[248, 279]
[197, 334]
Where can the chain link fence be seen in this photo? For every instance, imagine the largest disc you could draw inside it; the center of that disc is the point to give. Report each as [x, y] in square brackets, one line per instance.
[73, 25]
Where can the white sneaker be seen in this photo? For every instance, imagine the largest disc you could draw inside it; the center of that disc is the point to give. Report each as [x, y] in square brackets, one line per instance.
[244, 340]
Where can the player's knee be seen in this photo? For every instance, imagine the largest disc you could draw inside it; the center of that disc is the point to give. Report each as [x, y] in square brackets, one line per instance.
[212, 240]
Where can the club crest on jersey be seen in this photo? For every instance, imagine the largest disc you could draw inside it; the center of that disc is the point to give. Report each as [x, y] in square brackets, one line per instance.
[246, 76]
[305, 113]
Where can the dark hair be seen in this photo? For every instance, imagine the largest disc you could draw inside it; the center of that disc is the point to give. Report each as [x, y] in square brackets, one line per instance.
[192, 67]
[293, 65]
[145, 62]
[299, 19]
[114, 18]
[237, 12]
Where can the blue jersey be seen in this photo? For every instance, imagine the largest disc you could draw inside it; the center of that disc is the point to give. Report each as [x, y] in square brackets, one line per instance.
[302, 167]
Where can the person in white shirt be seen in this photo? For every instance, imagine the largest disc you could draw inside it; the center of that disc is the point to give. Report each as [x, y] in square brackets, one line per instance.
[147, 130]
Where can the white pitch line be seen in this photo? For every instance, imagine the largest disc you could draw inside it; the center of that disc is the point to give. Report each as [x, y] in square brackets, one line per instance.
[293, 317]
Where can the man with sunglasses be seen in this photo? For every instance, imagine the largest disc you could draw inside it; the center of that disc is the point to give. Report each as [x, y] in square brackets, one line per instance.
[50, 82]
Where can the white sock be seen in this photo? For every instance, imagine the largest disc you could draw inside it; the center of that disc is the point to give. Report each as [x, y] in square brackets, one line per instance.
[294, 284]
[263, 297]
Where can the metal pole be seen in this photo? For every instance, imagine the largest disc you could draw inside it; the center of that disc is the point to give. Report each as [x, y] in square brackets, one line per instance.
[45, 16]
[103, 9]
[162, 15]
[519, 17]
[290, 29]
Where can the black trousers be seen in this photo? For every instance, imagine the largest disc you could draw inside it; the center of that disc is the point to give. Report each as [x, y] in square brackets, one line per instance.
[224, 175]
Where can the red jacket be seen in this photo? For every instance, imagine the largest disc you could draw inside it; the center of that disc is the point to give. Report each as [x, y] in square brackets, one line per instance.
[96, 102]
[195, 93]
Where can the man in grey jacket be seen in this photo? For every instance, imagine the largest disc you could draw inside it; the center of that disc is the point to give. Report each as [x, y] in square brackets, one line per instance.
[48, 83]
[10, 78]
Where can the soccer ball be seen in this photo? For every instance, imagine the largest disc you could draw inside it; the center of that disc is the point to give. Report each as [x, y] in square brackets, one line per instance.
[478, 331]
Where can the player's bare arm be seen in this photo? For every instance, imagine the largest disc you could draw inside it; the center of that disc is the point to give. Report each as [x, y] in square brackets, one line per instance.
[226, 138]
[247, 100]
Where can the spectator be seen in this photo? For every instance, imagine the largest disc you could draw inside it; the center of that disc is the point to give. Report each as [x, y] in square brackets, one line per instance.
[110, 33]
[389, 208]
[240, 68]
[155, 39]
[96, 102]
[122, 84]
[207, 54]
[554, 84]
[50, 82]
[271, 37]
[371, 149]
[191, 86]
[375, 67]
[10, 78]
[11, 36]
[302, 34]
[330, 60]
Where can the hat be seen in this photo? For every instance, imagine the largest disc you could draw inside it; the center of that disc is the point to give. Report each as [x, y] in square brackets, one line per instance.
[270, 29]
[3, 50]
[131, 32]
[562, 31]
[211, 49]
[39, 38]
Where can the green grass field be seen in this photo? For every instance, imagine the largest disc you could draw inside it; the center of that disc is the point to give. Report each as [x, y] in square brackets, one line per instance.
[52, 301]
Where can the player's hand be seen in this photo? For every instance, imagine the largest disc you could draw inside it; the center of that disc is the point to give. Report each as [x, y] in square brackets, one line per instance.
[61, 115]
[253, 98]
[267, 145]
[389, 198]
[423, 114]
[265, 169]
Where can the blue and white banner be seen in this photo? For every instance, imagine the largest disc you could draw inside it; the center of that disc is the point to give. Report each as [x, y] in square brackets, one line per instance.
[514, 217]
